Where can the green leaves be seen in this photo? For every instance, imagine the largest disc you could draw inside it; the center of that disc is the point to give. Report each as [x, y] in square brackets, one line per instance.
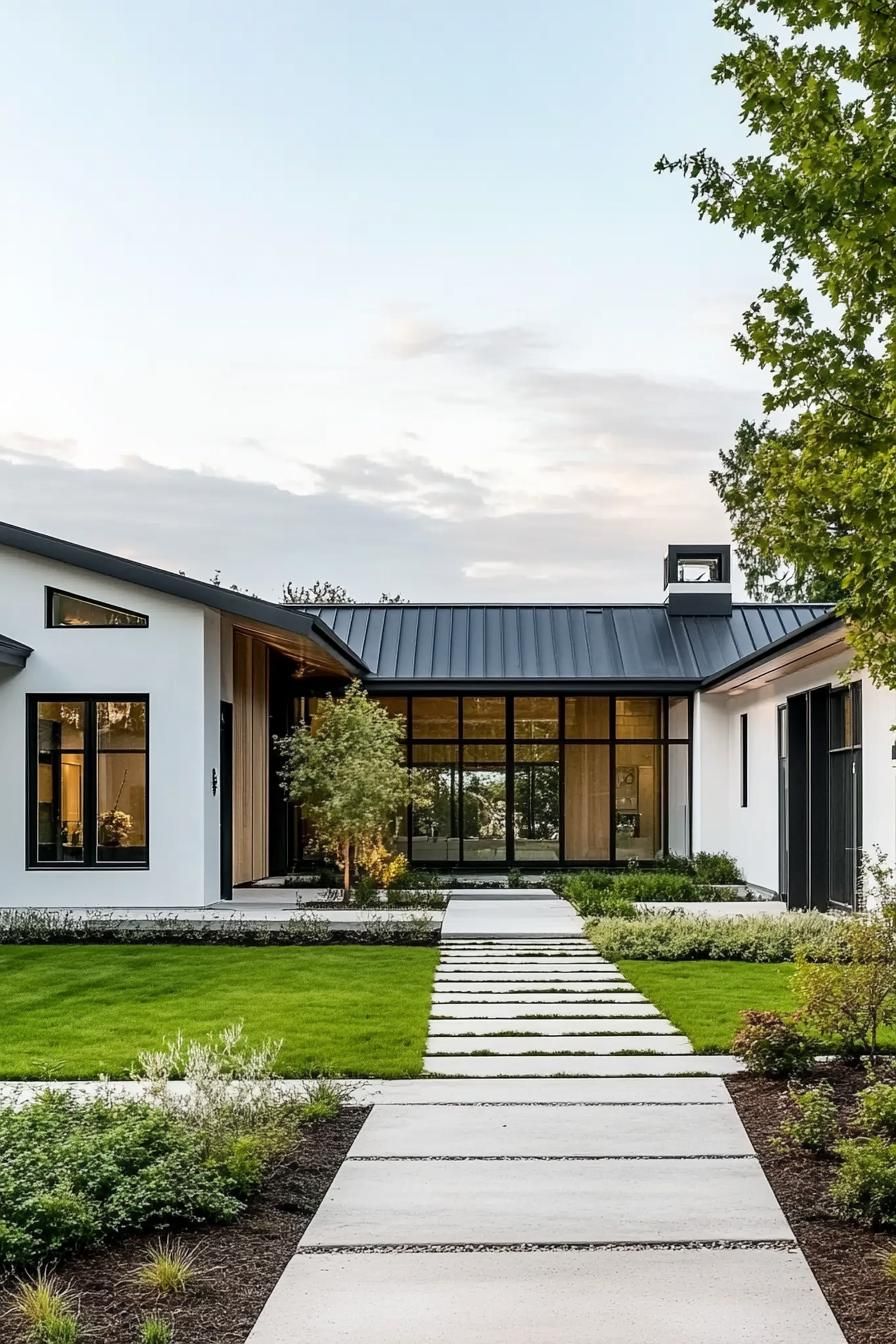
[349, 773]
[810, 491]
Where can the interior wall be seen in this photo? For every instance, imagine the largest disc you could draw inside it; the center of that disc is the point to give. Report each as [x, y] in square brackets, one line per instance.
[251, 745]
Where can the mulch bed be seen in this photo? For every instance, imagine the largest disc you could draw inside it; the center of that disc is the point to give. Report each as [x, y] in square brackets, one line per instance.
[844, 1257]
[243, 1260]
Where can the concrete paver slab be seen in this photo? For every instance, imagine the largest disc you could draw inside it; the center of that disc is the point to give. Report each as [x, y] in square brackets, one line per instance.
[528, 1016]
[507, 1203]
[509, 919]
[524, 973]
[543, 1131]
[550, 1297]
[626, 1092]
[528, 1027]
[578, 1066]
[539, 1000]
[558, 1046]
[456, 986]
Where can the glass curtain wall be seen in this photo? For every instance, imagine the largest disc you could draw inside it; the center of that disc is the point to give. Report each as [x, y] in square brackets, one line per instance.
[541, 779]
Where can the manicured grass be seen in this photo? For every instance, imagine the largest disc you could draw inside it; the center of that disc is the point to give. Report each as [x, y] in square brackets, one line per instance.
[78, 1011]
[704, 999]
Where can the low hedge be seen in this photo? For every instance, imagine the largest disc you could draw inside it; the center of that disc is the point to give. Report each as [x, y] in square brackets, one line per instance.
[600, 892]
[300, 930]
[683, 937]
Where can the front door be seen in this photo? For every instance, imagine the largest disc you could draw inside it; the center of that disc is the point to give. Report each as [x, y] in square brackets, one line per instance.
[225, 790]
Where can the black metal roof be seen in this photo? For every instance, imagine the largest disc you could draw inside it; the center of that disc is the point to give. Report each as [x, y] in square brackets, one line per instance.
[290, 619]
[12, 653]
[609, 643]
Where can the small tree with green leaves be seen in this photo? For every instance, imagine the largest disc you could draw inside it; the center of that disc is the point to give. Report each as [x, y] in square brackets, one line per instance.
[349, 775]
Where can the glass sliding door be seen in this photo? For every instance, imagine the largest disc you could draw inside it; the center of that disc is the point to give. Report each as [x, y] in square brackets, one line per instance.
[586, 812]
[536, 802]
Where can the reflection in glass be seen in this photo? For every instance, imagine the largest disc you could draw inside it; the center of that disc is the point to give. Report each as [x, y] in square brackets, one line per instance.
[60, 781]
[435, 836]
[121, 806]
[638, 718]
[536, 716]
[66, 610]
[60, 724]
[121, 725]
[637, 802]
[434, 716]
[485, 716]
[536, 811]
[485, 814]
[587, 716]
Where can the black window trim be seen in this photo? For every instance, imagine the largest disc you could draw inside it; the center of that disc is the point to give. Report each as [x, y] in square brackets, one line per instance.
[744, 760]
[51, 592]
[32, 863]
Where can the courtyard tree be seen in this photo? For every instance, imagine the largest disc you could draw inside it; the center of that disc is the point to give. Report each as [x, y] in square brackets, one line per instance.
[348, 774]
[811, 487]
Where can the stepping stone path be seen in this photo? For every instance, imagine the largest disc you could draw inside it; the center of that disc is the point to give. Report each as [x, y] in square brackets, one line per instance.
[559, 1174]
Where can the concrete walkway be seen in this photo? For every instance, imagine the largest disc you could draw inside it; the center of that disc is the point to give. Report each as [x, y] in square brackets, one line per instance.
[477, 1207]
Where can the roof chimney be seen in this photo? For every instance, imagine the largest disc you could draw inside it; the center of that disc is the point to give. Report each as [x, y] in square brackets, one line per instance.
[697, 580]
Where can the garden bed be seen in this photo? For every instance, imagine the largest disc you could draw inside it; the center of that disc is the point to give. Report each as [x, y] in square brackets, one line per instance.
[845, 1258]
[242, 1260]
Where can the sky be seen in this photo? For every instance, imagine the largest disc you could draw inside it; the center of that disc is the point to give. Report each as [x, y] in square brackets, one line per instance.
[381, 292]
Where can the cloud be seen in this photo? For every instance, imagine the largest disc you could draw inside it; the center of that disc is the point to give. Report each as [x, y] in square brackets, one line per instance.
[409, 336]
[404, 481]
[505, 474]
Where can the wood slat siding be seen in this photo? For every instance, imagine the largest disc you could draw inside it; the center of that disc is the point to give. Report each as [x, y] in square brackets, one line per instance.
[250, 759]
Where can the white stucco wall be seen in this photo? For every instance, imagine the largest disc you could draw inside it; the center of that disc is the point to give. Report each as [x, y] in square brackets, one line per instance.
[751, 833]
[177, 662]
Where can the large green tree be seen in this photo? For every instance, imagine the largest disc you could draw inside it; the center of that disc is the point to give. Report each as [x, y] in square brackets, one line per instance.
[811, 489]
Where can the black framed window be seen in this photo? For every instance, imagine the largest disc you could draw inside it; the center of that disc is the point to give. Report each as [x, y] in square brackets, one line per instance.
[88, 777]
[68, 611]
[744, 760]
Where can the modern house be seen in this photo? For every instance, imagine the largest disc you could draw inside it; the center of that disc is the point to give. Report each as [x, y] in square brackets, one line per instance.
[138, 709]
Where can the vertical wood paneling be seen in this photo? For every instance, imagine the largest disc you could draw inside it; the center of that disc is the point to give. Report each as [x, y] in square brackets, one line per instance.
[250, 759]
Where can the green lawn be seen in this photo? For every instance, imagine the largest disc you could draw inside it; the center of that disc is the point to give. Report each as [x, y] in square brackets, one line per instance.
[77, 1011]
[705, 998]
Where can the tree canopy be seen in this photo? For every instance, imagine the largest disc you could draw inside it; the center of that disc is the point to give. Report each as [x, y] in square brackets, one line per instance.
[811, 488]
[348, 774]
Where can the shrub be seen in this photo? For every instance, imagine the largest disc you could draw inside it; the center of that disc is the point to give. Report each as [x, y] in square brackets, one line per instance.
[813, 1122]
[771, 1045]
[650, 886]
[73, 1173]
[848, 998]
[876, 1110]
[597, 898]
[171, 1268]
[681, 937]
[155, 1330]
[718, 868]
[864, 1188]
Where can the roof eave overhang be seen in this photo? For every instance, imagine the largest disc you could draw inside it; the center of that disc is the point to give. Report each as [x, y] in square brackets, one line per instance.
[179, 585]
[736, 675]
[13, 654]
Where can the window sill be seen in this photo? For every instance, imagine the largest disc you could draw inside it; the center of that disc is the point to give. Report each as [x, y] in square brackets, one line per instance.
[87, 867]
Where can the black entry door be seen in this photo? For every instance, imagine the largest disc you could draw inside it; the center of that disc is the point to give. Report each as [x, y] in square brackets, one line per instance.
[225, 789]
